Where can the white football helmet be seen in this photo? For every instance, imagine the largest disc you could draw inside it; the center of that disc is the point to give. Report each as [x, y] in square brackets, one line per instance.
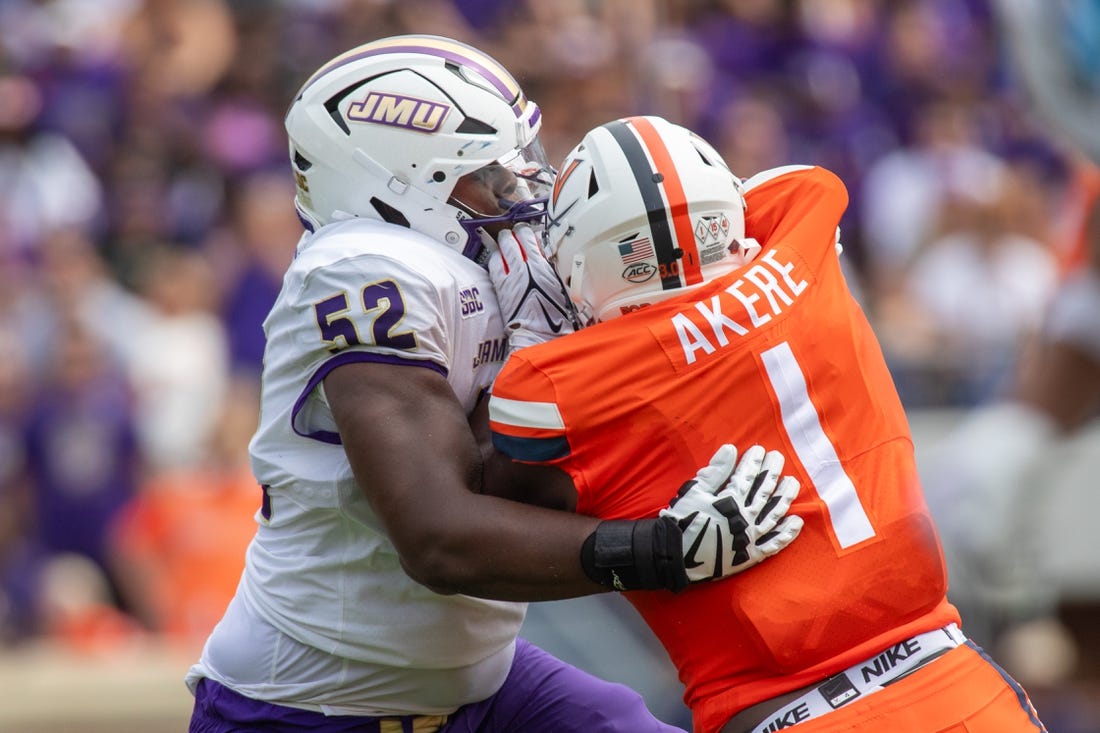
[386, 129]
[641, 210]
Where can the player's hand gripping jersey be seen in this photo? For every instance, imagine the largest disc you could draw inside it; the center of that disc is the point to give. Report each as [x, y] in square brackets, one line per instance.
[777, 353]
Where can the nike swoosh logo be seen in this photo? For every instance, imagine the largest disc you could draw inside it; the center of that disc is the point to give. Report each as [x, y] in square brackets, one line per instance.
[689, 558]
[555, 327]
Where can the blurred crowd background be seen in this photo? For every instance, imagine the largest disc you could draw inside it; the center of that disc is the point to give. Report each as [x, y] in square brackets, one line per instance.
[146, 218]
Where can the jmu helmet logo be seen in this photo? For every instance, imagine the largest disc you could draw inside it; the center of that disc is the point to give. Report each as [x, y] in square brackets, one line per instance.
[397, 110]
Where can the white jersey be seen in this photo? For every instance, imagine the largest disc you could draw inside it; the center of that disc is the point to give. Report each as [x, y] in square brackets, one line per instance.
[325, 618]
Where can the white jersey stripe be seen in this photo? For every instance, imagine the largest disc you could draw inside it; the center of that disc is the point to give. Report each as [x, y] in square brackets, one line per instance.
[524, 414]
[771, 174]
[814, 450]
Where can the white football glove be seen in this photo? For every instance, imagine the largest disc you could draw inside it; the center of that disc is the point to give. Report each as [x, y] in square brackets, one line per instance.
[532, 299]
[732, 519]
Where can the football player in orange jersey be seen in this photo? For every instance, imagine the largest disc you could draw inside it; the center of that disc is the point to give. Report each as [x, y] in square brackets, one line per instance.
[705, 290]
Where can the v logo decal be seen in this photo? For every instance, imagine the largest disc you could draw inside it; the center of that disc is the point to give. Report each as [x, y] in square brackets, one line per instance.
[561, 179]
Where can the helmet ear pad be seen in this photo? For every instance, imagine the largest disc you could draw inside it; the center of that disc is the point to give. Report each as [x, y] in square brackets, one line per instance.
[642, 210]
[386, 131]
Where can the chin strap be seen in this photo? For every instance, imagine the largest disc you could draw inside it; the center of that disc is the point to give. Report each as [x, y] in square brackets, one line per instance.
[479, 244]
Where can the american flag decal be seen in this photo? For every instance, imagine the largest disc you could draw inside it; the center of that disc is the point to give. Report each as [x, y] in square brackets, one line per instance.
[635, 250]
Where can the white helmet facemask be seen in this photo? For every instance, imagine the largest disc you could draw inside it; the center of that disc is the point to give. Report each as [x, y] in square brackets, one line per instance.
[386, 130]
[643, 210]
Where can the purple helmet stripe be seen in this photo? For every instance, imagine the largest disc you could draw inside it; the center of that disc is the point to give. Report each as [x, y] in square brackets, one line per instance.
[440, 47]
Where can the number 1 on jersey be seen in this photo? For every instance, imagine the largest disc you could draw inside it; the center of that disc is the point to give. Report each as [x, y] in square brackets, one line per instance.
[847, 516]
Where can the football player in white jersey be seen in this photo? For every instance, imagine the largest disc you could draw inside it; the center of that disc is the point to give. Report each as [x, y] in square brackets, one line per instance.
[356, 609]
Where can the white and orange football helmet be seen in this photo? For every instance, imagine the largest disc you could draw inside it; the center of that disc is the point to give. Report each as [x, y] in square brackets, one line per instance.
[385, 130]
[641, 210]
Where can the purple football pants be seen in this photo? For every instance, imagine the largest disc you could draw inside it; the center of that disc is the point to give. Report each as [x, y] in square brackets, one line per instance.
[541, 694]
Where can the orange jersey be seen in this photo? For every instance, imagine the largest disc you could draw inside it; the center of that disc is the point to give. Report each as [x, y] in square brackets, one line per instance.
[776, 353]
[188, 532]
[1072, 242]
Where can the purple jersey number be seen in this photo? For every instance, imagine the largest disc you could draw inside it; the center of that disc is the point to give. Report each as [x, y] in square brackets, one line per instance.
[382, 307]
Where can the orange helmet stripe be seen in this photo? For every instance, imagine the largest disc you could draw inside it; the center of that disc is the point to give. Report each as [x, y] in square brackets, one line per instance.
[675, 196]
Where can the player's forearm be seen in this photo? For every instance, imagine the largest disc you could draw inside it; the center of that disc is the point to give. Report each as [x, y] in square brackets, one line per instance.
[502, 550]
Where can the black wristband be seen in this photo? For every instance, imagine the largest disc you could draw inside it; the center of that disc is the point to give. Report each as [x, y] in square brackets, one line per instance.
[646, 554]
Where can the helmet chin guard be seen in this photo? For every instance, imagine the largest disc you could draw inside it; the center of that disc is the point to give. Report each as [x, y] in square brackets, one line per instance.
[480, 243]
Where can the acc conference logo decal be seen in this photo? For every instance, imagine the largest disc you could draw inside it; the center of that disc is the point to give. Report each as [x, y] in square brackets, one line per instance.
[634, 254]
[396, 110]
[639, 273]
